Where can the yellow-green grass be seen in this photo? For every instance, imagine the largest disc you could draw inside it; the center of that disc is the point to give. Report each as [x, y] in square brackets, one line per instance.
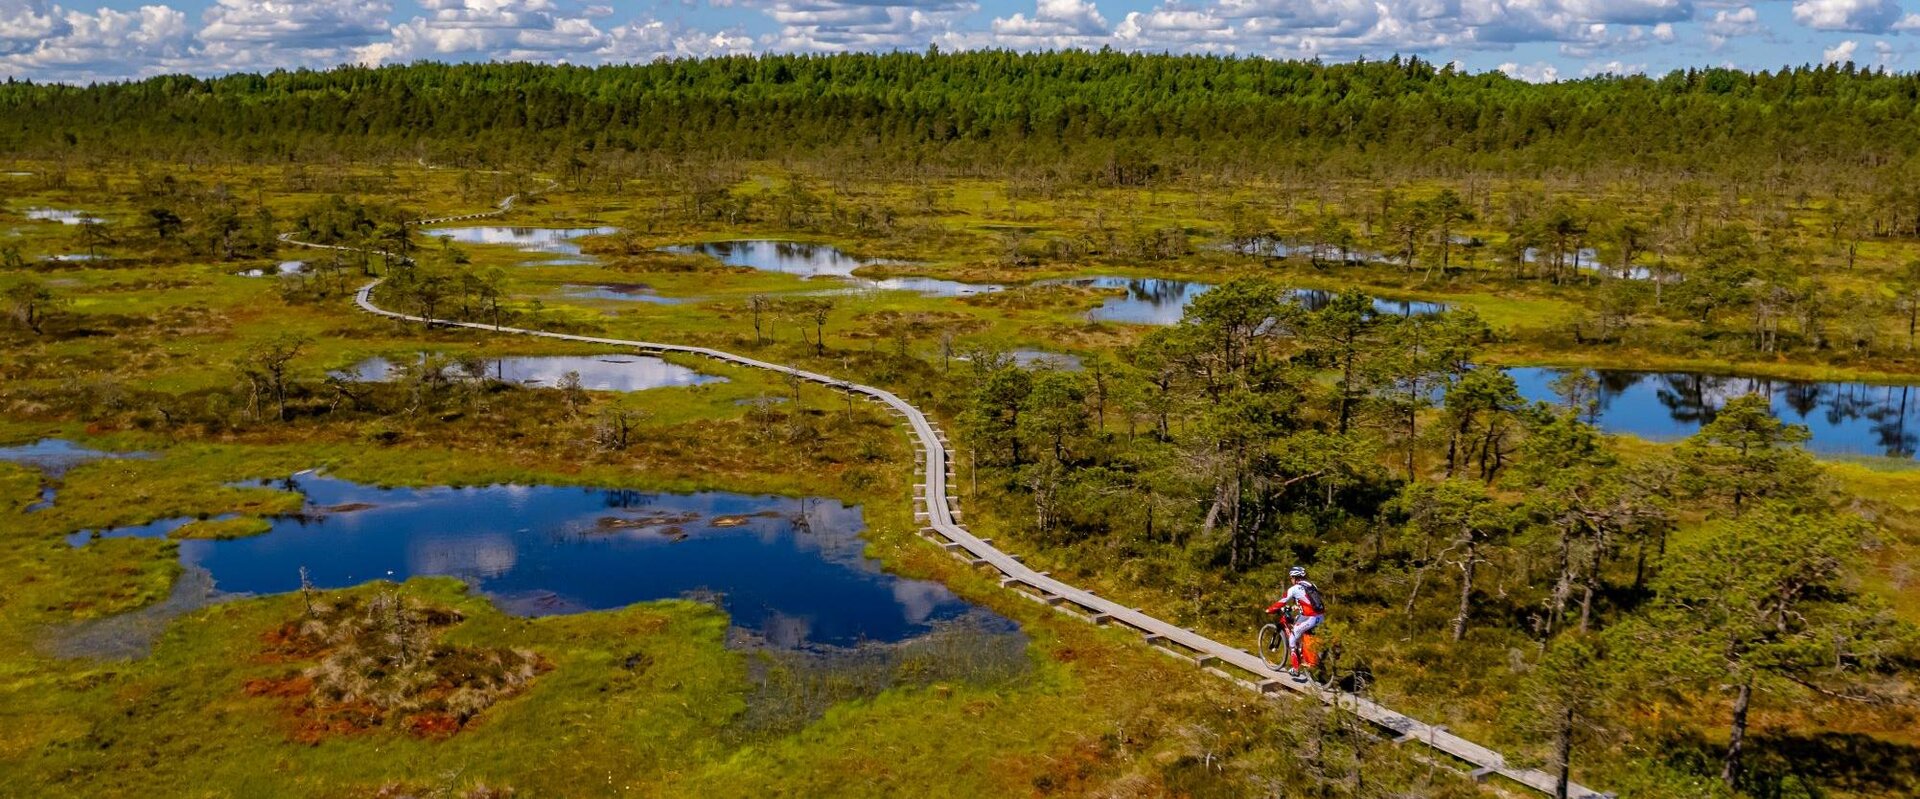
[222, 529]
[694, 437]
[975, 204]
[644, 701]
[1889, 491]
[1096, 708]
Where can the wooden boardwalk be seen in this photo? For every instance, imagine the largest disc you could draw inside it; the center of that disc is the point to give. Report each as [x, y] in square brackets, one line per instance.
[935, 510]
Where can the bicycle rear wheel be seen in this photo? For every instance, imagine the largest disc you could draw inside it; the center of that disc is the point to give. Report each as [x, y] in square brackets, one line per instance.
[1272, 647]
[1326, 672]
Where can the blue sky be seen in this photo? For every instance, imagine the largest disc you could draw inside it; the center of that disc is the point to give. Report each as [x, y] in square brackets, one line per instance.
[82, 40]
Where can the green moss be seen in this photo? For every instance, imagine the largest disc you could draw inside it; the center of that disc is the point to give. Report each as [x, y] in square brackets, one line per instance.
[222, 529]
[19, 487]
[643, 701]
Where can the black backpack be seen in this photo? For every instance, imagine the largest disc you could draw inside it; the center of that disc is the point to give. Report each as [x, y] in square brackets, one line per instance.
[1314, 598]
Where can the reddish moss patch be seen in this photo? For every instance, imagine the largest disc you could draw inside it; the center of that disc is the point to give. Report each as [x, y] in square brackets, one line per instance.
[433, 725]
[382, 663]
[285, 687]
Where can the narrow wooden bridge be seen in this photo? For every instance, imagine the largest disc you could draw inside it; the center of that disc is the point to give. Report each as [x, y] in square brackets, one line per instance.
[501, 208]
[936, 510]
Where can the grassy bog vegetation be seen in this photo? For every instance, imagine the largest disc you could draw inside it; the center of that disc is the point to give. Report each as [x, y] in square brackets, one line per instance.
[1191, 321]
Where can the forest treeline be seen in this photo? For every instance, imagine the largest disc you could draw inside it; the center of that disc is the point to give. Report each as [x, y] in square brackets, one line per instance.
[1116, 117]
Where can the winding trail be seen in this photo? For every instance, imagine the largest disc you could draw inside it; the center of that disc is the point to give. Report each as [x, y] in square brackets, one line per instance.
[935, 509]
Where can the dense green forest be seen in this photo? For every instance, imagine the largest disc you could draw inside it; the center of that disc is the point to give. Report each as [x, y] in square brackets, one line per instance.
[1125, 117]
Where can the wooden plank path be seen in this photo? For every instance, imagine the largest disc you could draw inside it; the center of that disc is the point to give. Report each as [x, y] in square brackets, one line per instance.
[934, 509]
[503, 207]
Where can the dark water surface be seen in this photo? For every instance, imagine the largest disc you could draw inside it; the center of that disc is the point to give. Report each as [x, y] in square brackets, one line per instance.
[282, 268]
[789, 257]
[53, 457]
[628, 292]
[1032, 359]
[790, 572]
[1037, 359]
[1163, 301]
[1844, 418]
[1271, 247]
[555, 240]
[929, 286]
[597, 372]
[821, 260]
[1146, 301]
[62, 215]
[1315, 299]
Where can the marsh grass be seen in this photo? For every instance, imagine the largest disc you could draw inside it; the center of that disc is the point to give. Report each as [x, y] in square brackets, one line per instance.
[223, 529]
[793, 688]
[647, 700]
[381, 662]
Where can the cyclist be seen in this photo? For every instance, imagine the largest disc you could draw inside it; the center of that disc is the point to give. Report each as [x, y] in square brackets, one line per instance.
[1305, 596]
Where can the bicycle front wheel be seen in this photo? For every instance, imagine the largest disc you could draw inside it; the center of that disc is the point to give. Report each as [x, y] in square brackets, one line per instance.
[1272, 647]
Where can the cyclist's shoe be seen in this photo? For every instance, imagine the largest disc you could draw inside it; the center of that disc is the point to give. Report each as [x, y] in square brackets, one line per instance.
[1298, 675]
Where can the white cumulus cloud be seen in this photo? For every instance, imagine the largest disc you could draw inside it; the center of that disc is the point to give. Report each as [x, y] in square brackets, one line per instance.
[1537, 72]
[1869, 16]
[42, 39]
[642, 41]
[105, 43]
[1631, 12]
[1373, 28]
[1885, 55]
[283, 33]
[536, 30]
[832, 26]
[1615, 67]
[1054, 24]
[26, 23]
[1728, 24]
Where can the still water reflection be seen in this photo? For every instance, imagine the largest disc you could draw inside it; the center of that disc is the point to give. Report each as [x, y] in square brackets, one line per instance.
[556, 240]
[1844, 418]
[1163, 301]
[597, 372]
[824, 261]
[793, 571]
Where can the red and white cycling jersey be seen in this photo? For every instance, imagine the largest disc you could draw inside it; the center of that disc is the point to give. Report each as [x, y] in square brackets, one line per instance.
[1298, 593]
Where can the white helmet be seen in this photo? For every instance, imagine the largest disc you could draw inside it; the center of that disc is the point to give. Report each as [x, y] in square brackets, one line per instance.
[1298, 572]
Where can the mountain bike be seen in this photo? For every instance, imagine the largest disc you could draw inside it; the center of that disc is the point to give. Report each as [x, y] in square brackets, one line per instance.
[1271, 643]
[1272, 647]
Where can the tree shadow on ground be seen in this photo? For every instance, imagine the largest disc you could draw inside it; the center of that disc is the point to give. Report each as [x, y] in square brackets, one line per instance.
[1784, 765]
